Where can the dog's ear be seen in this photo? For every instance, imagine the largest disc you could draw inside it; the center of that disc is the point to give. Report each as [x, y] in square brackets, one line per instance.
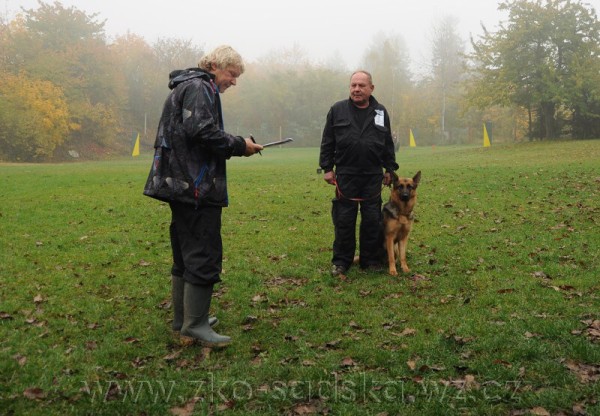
[417, 178]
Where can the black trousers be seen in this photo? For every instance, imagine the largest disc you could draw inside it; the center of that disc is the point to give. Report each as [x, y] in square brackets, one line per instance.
[344, 212]
[196, 243]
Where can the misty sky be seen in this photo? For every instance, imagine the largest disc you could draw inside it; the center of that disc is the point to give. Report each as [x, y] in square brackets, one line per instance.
[323, 29]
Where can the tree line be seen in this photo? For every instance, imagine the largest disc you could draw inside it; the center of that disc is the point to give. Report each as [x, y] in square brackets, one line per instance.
[66, 90]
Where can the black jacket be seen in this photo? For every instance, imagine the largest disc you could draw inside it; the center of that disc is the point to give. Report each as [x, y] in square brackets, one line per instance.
[354, 149]
[191, 147]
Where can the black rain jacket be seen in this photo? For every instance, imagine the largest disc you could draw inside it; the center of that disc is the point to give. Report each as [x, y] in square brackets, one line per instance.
[191, 147]
[354, 149]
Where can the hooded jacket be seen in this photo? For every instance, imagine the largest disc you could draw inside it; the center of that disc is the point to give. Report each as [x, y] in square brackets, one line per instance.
[357, 149]
[191, 147]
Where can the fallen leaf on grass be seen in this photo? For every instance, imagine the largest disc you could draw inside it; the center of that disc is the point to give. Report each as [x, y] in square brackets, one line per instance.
[288, 360]
[275, 258]
[503, 363]
[229, 404]
[139, 362]
[259, 298]
[462, 340]
[187, 409]
[394, 296]
[34, 393]
[38, 299]
[185, 363]
[249, 319]
[332, 344]
[204, 354]
[407, 332]
[348, 362]
[21, 359]
[354, 325]
[257, 349]
[541, 275]
[113, 392]
[418, 277]
[467, 383]
[586, 373]
[170, 357]
[4, 315]
[579, 410]
[539, 411]
[35, 322]
[278, 281]
[592, 332]
[304, 409]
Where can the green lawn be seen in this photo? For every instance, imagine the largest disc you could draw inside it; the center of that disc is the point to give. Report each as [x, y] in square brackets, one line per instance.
[500, 314]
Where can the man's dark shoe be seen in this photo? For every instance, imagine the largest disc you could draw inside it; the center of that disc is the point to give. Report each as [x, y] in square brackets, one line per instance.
[337, 271]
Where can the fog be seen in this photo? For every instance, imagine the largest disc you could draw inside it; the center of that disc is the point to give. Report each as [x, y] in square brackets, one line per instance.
[326, 31]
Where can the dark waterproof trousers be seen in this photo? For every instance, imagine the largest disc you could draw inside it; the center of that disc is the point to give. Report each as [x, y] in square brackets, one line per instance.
[196, 243]
[354, 193]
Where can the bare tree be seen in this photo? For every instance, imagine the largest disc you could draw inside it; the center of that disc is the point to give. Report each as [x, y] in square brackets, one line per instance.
[446, 65]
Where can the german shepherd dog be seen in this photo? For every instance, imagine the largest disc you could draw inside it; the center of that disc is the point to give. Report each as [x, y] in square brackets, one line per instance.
[398, 220]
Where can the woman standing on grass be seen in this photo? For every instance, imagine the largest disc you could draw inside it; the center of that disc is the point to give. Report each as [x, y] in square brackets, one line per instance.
[188, 172]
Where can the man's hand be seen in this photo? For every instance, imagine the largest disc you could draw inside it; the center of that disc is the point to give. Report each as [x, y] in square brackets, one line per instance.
[387, 179]
[329, 177]
[251, 147]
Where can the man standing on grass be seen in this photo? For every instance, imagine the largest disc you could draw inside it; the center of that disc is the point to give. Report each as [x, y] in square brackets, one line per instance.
[356, 148]
[188, 172]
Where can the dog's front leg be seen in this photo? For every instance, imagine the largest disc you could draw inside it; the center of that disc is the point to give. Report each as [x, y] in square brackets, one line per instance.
[389, 245]
[403, 244]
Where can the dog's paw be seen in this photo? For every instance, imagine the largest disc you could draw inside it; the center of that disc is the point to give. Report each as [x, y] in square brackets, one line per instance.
[405, 269]
[393, 272]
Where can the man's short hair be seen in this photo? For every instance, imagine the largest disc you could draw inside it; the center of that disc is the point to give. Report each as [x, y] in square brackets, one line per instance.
[362, 71]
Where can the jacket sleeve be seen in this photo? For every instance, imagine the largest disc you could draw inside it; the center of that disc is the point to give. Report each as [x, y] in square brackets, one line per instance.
[201, 124]
[327, 154]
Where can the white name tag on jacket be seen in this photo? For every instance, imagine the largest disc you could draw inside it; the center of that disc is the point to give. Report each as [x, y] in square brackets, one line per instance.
[379, 118]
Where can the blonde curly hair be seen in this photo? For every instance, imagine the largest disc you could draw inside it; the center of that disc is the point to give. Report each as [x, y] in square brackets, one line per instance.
[222, 56]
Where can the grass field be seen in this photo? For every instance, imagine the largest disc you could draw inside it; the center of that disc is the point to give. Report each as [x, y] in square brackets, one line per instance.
[500, 315]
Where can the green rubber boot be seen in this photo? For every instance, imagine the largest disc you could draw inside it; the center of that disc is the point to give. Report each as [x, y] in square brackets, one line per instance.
[177, 301]
[196, 304]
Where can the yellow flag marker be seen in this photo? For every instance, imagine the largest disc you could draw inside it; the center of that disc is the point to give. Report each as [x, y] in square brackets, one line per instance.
[486, 137]
[412, 139]
[136, 147]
